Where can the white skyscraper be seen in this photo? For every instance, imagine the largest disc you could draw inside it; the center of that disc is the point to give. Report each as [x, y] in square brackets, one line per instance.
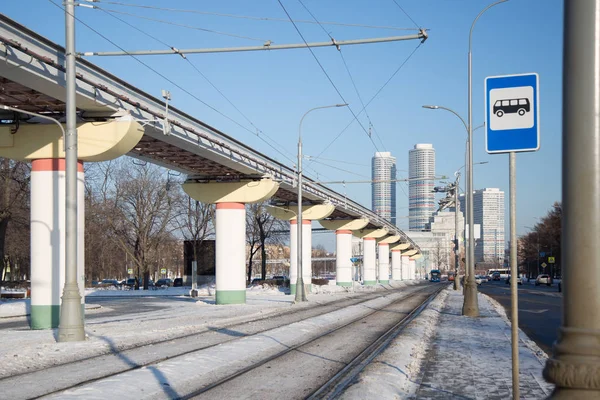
[383, 194]
[488, 211]
[421, 200]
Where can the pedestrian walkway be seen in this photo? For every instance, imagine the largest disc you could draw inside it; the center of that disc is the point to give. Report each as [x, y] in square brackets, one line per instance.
[470, 358]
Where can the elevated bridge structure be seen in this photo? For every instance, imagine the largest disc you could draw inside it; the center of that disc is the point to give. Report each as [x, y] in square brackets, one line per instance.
[116, 118]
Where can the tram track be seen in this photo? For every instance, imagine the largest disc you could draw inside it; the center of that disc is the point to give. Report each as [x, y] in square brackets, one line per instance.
[90, 369]
[336, 383]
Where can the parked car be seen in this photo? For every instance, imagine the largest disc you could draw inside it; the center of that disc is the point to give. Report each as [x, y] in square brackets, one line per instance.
[519, 280]
[479, 279]
[178, 282]
[257, 281]
[110, 282]
[496, 276]
[164, 282]
[543, 279]
[451, 277]
[128, 283]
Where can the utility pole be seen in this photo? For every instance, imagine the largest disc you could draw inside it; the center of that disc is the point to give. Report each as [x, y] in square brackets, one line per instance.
[456, 233]
[70, 326]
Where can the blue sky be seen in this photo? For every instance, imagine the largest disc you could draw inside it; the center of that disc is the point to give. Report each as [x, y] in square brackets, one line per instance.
[274, 89]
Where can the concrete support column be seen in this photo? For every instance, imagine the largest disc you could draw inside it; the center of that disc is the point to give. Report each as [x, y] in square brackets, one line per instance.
[384, 263]
[412, 269]
[405, 265]
[48, 240]
[230, 248]
[369, 261]
[396, 268]
[293, 256]
[343, 265]
[306, 255]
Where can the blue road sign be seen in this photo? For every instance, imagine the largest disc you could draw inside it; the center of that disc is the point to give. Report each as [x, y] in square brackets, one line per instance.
[512, 113]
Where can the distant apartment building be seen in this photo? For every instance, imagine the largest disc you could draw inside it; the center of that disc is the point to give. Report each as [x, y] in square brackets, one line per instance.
[383, 191]
[488, 211]
[421, 200]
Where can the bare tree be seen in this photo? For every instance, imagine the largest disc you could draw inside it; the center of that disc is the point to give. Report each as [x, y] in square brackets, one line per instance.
[259, 231]
[440, 256]
[138, 209]
[196, 222]
[14, 204]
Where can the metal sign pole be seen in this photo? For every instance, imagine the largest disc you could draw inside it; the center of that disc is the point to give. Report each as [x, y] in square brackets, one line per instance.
[514, 273]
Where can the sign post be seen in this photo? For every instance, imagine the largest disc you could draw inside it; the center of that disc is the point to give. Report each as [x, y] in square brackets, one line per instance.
[512, 125]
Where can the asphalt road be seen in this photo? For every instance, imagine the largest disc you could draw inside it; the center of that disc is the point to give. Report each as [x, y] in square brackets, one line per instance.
[540, 309]
[111, 307]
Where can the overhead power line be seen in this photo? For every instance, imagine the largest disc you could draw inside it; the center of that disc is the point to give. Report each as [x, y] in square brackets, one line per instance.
[371, 100]
[189, 11]
[327, 75]
[349, 74]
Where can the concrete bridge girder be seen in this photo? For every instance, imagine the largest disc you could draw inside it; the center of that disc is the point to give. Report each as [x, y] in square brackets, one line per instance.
[401, 246]
[244, 192]
[313, 212]
[389, 239]
[344, 224]
[371, 233]
[98, 141]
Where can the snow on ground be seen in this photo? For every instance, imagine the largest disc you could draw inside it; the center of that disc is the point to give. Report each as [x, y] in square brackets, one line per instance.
[184, 373]
[454, 359]
[392, 374]
[24, 349]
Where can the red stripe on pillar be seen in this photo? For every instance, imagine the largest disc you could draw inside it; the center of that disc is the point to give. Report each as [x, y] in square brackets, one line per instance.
[343, 231]
[369, 238]
[396, 250]
[304, 222]
[384, 244]
[53, 164]
[230, 206]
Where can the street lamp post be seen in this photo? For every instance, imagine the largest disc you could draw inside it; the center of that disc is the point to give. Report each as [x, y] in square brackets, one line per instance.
[471, 306]
[300, 292]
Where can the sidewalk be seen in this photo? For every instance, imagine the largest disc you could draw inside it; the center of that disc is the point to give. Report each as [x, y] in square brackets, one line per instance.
[443, 355]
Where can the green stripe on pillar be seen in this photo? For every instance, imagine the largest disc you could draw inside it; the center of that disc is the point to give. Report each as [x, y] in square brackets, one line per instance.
[230, 297]
[345, 284]
[45, 317]
[384, 282]
[369, 283]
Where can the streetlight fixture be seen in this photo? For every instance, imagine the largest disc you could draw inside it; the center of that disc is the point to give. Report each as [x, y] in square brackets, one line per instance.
[470, 305]
[300, 292]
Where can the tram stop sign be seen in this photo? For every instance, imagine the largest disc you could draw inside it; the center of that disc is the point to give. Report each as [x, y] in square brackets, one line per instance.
[512, 113]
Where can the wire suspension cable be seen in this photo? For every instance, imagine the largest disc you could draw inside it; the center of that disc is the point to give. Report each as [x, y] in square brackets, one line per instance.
[178, 10]
[405, 13]
[178, 86]
[349, 74]
[197, 28]
[327, 75]
[370, 101]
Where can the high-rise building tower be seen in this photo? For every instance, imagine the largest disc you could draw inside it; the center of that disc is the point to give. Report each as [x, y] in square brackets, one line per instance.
[383, 194]
[488, 211]
[421, 200]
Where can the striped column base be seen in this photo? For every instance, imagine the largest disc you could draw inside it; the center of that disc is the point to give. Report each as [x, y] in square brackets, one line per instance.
[230, 297]
[47, 317]
[384, 282]
[307, 288]
[369, 283]
[345, 284]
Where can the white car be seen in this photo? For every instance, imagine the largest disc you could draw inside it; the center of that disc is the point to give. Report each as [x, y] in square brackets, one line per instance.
[519, 280]
[479, 279]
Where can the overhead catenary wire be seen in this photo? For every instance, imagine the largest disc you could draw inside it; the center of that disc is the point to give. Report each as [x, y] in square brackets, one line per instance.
[349, 74]
[327, 75]
[405, 13]
[182, 25]
[187, 92]
[371, 100]
[191, 11]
